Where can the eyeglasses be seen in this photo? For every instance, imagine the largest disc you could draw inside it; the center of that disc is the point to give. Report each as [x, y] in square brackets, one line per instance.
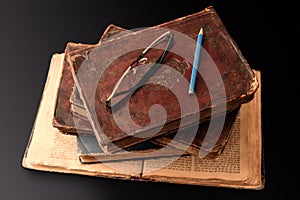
[166, 36]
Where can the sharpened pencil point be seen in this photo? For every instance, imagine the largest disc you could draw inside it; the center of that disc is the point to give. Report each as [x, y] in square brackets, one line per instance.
[201, 31]
[191, 91]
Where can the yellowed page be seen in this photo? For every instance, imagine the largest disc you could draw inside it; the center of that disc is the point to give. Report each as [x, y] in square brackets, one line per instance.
[51, 150]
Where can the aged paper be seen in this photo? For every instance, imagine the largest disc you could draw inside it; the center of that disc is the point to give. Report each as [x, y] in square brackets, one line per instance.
[239, 165]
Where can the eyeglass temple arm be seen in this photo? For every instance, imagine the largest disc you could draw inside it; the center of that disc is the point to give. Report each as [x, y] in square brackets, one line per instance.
[155, 42]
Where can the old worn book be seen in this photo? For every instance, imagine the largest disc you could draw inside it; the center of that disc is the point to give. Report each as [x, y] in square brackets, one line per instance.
[90, 152]
[63, 116]
[225, 81]
[239, 166]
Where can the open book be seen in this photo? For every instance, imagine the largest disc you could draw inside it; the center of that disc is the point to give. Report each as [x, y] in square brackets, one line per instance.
[239, 166]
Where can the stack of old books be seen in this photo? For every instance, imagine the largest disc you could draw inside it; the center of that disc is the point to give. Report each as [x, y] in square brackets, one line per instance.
[86, 126]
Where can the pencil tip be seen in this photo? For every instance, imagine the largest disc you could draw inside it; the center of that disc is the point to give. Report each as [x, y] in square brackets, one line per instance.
[201, 31]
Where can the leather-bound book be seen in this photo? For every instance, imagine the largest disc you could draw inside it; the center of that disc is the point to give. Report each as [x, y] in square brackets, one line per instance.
[224, 83]
[63, 116]
[90, 152]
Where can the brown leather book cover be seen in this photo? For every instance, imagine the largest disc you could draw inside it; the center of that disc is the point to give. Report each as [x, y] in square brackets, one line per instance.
[96, 75]
[63, 115]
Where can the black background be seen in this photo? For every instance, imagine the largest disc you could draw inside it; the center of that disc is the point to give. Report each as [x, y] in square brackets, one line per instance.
[31, 31]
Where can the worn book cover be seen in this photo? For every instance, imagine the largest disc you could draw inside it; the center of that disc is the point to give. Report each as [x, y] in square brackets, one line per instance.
[63, 115]
[239, 166]
[224, 83]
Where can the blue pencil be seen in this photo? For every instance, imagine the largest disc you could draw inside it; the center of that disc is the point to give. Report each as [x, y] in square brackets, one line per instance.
[196, 62]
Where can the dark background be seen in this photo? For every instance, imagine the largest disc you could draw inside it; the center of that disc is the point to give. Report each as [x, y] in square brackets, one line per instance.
[31, 31]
